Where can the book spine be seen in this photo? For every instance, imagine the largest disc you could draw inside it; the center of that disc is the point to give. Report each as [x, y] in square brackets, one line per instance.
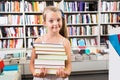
[52, 57]
[49, 62]
[49, 66]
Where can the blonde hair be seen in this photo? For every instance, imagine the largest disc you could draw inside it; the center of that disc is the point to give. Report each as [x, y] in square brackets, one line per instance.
[63, 30]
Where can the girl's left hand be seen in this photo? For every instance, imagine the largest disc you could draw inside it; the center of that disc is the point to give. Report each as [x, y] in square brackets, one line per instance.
[62, 73]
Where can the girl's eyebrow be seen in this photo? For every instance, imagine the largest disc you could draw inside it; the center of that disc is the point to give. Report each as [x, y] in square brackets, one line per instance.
[56, 18]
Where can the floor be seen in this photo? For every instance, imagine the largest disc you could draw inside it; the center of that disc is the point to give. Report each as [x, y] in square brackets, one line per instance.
[100, 76]
[96, 76]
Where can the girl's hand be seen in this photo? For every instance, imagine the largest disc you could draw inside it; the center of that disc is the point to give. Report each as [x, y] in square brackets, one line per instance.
[62, 73]
[41, 74]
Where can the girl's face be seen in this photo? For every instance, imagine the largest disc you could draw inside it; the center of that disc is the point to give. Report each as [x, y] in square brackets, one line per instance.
[53, 21]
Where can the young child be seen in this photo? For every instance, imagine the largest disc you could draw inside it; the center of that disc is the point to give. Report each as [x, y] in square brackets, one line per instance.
[53, 19]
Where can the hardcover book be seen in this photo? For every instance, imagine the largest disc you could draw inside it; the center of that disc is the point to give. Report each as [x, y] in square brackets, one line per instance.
[52, 57]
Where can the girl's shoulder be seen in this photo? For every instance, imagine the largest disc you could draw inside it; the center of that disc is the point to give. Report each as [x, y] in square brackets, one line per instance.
[65, 41]
[39, 39]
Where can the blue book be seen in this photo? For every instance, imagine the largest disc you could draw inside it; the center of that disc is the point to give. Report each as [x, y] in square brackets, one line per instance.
[81, 42]
[114, 40]
[11, 67]
[81, 6]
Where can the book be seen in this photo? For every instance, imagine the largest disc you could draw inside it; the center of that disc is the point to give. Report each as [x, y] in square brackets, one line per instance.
[46, 45]
[50, 52]
[11, 67]
[49, 62]
[48, 66]
[50, 49]
[52, 57]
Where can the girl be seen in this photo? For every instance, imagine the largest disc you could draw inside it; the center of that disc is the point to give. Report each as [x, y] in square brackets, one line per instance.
[53, 19]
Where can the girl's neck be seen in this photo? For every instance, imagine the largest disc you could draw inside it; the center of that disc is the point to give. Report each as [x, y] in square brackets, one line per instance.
[52, 38]
[52, 35]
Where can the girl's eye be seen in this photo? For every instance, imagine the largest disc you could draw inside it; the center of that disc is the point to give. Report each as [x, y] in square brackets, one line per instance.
[51, 21]
[58, 20]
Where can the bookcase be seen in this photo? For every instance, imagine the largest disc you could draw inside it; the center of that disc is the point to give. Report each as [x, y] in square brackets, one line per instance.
[109, 12]
[88, 23]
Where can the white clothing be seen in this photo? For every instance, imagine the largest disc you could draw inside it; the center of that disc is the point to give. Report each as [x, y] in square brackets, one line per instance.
[50, 77]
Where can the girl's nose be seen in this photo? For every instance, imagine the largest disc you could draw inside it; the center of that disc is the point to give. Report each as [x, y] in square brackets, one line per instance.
[55, 22]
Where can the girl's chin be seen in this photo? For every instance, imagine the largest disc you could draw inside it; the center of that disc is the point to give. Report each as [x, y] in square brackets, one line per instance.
[56, 30]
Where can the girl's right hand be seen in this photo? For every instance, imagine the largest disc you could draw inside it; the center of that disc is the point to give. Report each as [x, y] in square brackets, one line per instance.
[41, 74]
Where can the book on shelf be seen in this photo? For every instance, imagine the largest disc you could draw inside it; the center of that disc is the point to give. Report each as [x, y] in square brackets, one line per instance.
[13, 67]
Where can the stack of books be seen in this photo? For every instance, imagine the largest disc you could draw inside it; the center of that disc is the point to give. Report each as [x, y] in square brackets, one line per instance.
[49, 56]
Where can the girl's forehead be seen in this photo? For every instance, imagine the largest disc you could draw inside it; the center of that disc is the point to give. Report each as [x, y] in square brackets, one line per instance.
[53, 14]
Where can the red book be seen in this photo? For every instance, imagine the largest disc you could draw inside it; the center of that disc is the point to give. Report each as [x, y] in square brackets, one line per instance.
[1, 64]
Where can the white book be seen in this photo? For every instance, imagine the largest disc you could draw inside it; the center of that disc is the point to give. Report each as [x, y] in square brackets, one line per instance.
[50, 52]
[30, 40]
[19, 43]
[49, 66]
[48, 45]
[1, 35]
[49, 62]
[94, 18]
[52, 57]
[50, 49]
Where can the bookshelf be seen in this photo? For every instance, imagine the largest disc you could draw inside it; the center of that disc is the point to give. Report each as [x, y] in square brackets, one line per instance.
[82, 22]
[21, 23]
[109, 18]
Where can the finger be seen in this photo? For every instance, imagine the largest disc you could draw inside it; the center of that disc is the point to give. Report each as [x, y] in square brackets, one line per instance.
[61, 72]
[45, 73]
[37, 74]
[41, 72]
[57, 72]
[66, 74]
